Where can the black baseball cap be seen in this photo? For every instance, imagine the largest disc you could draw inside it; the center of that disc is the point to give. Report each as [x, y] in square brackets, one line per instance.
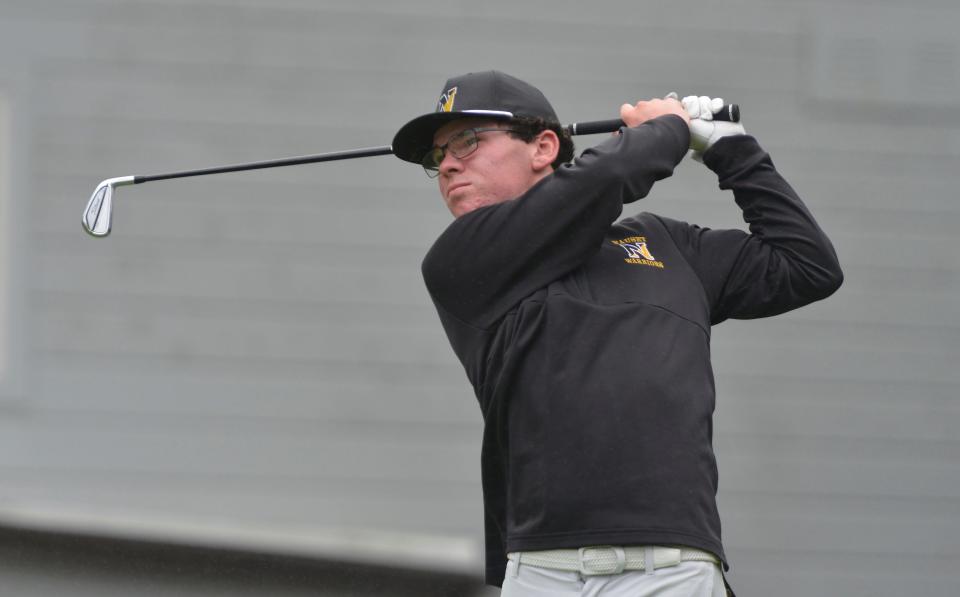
[488, 94]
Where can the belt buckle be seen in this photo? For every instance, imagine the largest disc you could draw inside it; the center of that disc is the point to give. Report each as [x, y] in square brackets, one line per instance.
[666, 556]
[618, 552]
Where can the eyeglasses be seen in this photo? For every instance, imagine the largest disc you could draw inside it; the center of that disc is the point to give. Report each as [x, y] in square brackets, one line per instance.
[460, 145]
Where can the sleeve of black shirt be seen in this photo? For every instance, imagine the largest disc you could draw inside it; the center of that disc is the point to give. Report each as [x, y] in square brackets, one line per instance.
[784, 263]
[490, 259]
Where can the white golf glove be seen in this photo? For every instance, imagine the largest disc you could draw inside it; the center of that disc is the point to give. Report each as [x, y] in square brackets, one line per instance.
[704, 130]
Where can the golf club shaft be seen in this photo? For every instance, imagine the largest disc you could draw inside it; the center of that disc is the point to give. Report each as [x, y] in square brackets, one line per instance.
[303, 159]
[730, 112]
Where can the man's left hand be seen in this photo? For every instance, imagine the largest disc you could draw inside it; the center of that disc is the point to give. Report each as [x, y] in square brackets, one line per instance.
[704, 130]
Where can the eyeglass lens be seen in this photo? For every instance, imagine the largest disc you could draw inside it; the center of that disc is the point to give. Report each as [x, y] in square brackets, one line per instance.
[460, 145]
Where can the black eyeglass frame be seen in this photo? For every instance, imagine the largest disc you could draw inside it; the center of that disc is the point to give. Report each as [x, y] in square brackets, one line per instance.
[431, 164]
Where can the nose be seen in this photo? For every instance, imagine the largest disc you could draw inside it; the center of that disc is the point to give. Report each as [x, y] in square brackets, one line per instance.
[450, 163]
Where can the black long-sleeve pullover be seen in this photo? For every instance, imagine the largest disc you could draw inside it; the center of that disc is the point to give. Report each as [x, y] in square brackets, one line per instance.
[588, 342]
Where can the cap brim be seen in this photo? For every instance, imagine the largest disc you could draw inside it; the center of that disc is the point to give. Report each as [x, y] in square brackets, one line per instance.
[415, 138]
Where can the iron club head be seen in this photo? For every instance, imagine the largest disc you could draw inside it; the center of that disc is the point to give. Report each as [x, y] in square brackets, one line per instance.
[98, 216]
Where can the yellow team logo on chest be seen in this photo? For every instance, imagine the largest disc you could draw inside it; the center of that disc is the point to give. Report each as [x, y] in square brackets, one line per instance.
[638, 253]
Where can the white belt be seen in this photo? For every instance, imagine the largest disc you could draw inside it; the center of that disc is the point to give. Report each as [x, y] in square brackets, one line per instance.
[604, 559]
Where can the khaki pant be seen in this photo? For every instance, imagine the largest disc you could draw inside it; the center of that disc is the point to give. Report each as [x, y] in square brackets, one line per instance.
[686, 579]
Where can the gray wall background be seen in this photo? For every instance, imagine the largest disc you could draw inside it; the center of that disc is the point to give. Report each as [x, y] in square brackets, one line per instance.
[250, 361]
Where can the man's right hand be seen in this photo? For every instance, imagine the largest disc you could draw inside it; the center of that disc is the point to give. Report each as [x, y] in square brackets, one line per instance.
[647, 110]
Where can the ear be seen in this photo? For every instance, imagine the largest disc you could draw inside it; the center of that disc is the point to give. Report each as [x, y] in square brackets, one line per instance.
[546, 146]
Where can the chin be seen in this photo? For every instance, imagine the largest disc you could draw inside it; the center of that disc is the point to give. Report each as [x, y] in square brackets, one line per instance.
[462, 210]
[463, 204]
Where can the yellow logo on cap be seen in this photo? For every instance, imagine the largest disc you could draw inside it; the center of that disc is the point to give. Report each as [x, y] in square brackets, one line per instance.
[446, 100]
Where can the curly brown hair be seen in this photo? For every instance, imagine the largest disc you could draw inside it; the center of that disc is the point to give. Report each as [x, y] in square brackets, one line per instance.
[527, 128]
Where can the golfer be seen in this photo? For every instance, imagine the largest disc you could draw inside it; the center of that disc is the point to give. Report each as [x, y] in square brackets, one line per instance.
[587, 339]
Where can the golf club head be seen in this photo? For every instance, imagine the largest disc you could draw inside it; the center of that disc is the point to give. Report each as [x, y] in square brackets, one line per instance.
[98, 216]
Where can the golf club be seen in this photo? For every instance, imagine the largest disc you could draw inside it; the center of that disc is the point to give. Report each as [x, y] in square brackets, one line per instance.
[98, 215]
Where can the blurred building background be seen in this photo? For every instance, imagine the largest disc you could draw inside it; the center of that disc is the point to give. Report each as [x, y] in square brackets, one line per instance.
[245, 390]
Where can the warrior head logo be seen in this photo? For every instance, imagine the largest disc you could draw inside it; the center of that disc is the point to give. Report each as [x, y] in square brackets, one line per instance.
[446, 100]
[638, 251]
